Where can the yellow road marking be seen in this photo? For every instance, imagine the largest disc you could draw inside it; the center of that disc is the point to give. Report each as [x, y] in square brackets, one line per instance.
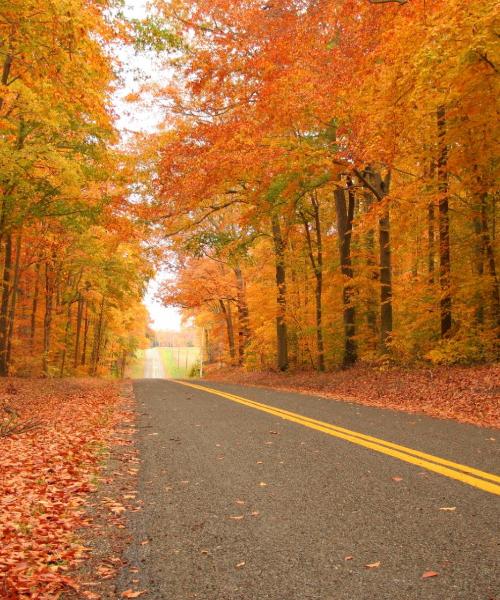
[463, 473]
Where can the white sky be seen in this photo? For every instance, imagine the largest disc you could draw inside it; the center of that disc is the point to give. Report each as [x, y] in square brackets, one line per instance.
[133, 119]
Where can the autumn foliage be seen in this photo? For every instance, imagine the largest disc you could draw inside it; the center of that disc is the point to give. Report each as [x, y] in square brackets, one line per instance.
[47, 474]
[72, 268]
[326, 178]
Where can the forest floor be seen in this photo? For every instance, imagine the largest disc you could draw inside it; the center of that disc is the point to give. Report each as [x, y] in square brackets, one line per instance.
[465, 394]
[52, 505]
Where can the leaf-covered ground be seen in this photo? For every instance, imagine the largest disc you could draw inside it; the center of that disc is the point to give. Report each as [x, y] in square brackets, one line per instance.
[466, 394]
[47, 475]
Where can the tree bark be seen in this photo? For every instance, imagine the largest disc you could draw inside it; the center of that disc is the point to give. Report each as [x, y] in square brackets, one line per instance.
[243, 316]
[281, 326]
[431, 254]
[67, 330]
[79, 318]
[13, 301]
[385, 279]
[98, 334]
[47, 319]
[34, 306]
[4, 305]
[379, 186]
[444, 225]
[490, 258]
[85, 335]
[317, 266]
[345, 215]
[372, 300]
[226, 311]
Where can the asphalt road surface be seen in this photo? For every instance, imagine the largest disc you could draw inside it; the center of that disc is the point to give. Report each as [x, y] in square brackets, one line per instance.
[243, 501]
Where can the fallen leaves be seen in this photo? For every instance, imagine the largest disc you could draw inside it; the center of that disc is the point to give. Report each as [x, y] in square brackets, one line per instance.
[46, 477]
[461, 393]
[241, 564]
[448, 508]
[132, 594]
[397, 479]
[374, 565]
[429, 574]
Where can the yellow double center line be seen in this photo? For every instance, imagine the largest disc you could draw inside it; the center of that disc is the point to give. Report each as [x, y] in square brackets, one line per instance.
[474, 477]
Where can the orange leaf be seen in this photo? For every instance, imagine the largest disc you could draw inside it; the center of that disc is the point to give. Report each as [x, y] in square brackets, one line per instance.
[428, 574]
[132, 594]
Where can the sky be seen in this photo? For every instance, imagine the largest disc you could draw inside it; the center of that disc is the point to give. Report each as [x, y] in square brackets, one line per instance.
[133, 119]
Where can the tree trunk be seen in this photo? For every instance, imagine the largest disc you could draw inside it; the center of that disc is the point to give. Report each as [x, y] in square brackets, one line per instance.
[490, 258]
[385, 279]
[98, 333]
[380, 186]
[13, 302]
[444, 225]
[372, 300]
[243, 316]
[317, 266]
[47, 320]
[478, 264]
[34, 306]
[281, 326]
[345, 216]
[431, 218]
[79, 318]
[85, 335]
[226, 311]
[4, 306]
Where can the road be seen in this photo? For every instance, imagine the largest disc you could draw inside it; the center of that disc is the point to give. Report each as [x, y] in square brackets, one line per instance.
[243, 501]
[153, 366]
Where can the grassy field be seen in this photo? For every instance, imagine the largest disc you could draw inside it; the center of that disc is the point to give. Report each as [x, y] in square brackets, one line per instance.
[178, 362]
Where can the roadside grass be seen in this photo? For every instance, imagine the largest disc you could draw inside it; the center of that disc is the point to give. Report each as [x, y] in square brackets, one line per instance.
[136, 369]
[179, 362]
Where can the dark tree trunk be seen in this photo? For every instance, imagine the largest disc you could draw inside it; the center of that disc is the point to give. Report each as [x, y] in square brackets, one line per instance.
[345, 215]
[243, 316]
[47, 319]
[431, 252]
[79, 318]
[281, 326]
[490, 259]
[317, 265]
[85, 335]
[372, 301]
[34, 306]
[4, 306]
[13, 302]
[98, 335]
[67, 330]
[379, 186]
[444, 225]
[478, 264]
[226, 311]
[385, 278]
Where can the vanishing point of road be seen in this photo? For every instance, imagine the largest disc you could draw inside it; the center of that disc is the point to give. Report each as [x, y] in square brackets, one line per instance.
[254, 494]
